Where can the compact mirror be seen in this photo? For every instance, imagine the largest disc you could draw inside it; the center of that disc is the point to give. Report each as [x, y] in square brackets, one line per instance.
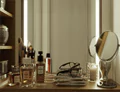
[107, 46]
[92, 49]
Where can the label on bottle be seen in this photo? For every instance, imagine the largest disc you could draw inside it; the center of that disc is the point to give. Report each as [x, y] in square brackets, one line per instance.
[40, 69]
[46, 65]
[16, 79]
[49, 66]
[26, 60]
[26, 75]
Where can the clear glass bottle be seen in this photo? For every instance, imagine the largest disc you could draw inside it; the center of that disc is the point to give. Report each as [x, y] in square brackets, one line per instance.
[92, 71]
[40, 69]
[27, 73]
[14, 76]
[10, 77]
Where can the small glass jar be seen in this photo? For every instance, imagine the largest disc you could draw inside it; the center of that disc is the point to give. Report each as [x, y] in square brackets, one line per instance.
[14, 76]
[10, 76]
[92, 71]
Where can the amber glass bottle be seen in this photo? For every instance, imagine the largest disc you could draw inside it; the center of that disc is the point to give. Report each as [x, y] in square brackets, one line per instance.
[40, 69]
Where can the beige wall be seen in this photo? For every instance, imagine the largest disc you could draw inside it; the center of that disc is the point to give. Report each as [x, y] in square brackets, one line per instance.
[91, 24]
[61, 28]
[116, 29]
[46, 26]
[37, 32]
[30, 21]
[68, 32]
[91, 19]
[106, 15]
[18, 27]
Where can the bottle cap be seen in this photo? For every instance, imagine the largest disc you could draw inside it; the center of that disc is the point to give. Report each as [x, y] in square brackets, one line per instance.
[40, 57]
[48, 55]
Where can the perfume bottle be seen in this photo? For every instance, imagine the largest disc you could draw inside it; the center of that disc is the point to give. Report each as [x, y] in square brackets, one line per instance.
[26, 73]
[10, 77]
[40, 69]
[14, 76]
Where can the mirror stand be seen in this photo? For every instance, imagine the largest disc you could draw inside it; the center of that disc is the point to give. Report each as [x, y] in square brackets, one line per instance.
[104, 82]
[106, 48]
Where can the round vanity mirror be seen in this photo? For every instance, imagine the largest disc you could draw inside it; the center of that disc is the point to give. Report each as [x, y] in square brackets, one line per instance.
[107, 46]
[106, 49]
[92, 49]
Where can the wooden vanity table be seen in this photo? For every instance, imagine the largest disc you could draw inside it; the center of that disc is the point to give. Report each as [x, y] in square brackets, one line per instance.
[49, 87]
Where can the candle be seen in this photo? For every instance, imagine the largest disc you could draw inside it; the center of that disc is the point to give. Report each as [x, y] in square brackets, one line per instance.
[93, 72]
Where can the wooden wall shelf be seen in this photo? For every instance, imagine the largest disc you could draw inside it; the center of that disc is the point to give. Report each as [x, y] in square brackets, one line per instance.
[4, 13]
[5, 47]
[7, 18]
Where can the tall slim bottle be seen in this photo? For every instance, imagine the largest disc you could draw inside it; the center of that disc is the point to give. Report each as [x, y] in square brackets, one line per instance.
[48, 63]
[40, 69]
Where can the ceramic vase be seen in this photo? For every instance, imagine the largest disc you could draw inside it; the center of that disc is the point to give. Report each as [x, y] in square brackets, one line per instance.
[4, 34]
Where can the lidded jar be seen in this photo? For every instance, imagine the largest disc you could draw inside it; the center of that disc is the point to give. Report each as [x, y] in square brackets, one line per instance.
[4, 34]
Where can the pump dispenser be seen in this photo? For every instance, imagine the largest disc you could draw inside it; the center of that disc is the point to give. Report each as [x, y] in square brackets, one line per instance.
[40, 69]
